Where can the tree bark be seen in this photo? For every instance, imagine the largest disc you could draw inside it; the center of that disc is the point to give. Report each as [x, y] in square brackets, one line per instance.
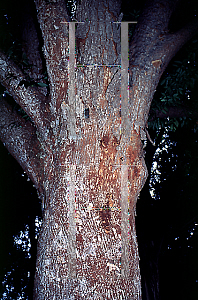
[86, 155]
[91, 249]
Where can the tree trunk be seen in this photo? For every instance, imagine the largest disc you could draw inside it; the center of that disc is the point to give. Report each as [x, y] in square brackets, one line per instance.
[83, 149]
[87, 246]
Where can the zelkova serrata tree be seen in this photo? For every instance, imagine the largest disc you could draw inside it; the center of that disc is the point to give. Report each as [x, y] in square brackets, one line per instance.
[83, 148]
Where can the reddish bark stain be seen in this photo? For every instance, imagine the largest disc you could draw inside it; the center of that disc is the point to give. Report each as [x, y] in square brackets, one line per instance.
[108, 180]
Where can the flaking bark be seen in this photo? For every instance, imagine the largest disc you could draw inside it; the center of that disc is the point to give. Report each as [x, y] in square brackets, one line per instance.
[91, 179]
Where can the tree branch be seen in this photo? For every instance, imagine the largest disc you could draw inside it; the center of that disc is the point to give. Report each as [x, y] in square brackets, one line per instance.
[152, 23]
[173, 42]
[52, 17]
[95, 10]
[151, 49]
[29, 98]
[19, 137]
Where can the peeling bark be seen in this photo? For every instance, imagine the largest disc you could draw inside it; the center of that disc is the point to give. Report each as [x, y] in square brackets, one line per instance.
[84, 150]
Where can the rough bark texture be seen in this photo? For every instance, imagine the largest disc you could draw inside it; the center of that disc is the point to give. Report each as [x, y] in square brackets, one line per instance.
[86, 164]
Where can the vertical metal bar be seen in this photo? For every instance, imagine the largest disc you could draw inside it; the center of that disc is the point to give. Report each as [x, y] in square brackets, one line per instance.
[125, 131]
[72, 96]
[125, 222]
[125, 124]
[72, 225]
